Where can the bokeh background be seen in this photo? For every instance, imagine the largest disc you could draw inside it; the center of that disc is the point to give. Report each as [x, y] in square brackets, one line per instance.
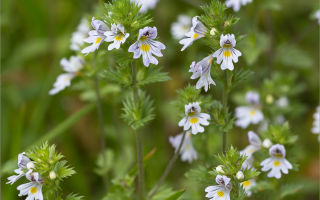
[282, 36]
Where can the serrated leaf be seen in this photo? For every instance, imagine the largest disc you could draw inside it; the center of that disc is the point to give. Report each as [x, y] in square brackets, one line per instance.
[151, 75]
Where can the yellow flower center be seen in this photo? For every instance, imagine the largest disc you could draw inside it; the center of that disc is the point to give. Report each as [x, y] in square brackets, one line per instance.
[220, 193]
[195, 36]
[118, 37]
[276, 163]
[187, 147]
[193, 120]
[251, 150]
[33, 190]
[210, 61]
[246, 183]
[145, 47]
[252, 112]
[98, 40]
[227, 53]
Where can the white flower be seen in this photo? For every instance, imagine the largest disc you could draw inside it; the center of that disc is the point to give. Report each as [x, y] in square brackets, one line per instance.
[79, 35]
[220, 191]
[180, 27]
[146, 4]
[116, 35]
[202, 69]
[187, 152]
[227, 54]
[316, 122]
[30, 165]
[276, 162]
[255, 145]
[146, 46]
[33, 189]
[21, 171]
[72, 69]
[219, 169]
[194, 119]
[247, 185]
[317, 15]
[96, 36]
[282, 102]
[196, 32]
[236, 4]
[240, 175]
[267, 143]
[12, 179]
[249, 114]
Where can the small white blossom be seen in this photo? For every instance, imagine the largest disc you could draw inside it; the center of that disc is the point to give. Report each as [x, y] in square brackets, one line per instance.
[240, 175]
[220, 191]
[194, 119]
[267, 143]
[72, 69]
[213, 31]
[317, 15]
[282, 102]
[52, 175]
[277, 162]
[96, 36]
[219, 169]
[247, 185]
[116, 35]
[30, 165]
[255, 144]
[21, 171]
[180, 27]
[33, 189]
[79, 35]
[146, 4]
[227, 54]
[202, 69]
[196, 32]
[236, 4]
[146, 46]
[187, 152]
[249, 114]
[316, 123]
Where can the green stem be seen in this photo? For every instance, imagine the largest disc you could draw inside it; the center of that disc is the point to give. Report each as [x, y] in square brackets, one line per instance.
[138, 138]
[225, 95]
[168, 168]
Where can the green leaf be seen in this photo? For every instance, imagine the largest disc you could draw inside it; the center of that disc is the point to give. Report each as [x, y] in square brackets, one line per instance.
[151, 75]
[290, 189]
[176, 195]
[73, 197]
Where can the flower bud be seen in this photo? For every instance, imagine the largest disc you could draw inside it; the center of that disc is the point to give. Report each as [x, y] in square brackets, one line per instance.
[30, 165]
[52, 175]
[269, 99]
[240, 175]
[266, 143]
[219, 169]
[213, 31]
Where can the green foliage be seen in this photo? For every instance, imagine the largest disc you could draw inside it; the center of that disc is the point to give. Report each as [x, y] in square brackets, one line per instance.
[222, 119]
[137, 111]
[73, 197]
[151, 75]
[165, 193]
[290, 189]
[280, 134]
[239, 76]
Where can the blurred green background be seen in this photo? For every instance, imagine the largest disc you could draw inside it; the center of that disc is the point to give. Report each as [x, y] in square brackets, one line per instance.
[281, 36]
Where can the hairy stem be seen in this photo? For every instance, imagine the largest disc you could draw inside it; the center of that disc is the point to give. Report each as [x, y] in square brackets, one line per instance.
[168, 168]
[225, 94]
[138, 138]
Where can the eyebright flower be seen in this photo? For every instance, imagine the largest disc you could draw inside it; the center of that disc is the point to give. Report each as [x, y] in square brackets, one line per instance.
[202, 69]
[194, 119]
[219, 169]
[282, 102]
[116, 35]
[33, 189]
[317, 15]
[276, 162]
[196, 32]
[180, 27]
[236, 4]
[79, 35]
[72, 69]
[247, 185]
[220, 191]
[249, 114]
[96, 36]
[187, 152]
[266, 143]
[255, 145]
[21, 171]
[146, 4]
[316, 122]
[146, 46]
[227, 54]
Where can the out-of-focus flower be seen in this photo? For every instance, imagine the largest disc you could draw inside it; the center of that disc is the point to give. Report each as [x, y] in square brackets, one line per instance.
[317, 15]
[21, 171]
[79, 35]
[194, 119]
[227, 54]
[282, 102]
[277, 162]
[247, 185]
[196, 32]
[180, 27]
[96, 36]
[316, 122]
[202, 69]
[72, 69]
[116, 35]
[249, 114]
[146, 46]
[187, 152]
[33, 189]
[267, 143]
[236, 4]
[220, 191]
[146, 4]
[255, 145]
